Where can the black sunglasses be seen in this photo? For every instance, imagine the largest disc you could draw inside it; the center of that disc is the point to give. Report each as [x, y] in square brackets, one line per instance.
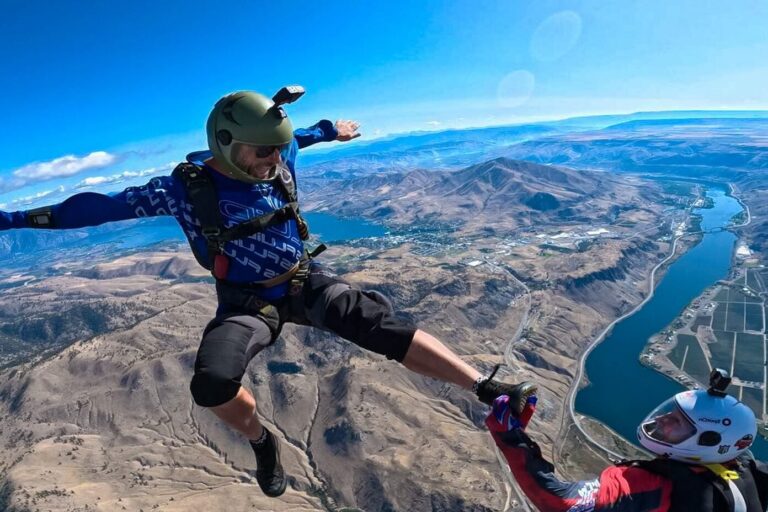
[265, 151]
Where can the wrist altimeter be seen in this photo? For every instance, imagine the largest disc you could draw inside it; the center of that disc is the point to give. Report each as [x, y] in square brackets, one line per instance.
[40, 218]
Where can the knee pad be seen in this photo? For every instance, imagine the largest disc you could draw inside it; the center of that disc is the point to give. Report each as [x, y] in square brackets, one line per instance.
[210, 390]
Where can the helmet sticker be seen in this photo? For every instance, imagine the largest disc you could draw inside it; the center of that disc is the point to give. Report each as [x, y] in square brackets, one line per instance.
[724, 448]
[744, 442]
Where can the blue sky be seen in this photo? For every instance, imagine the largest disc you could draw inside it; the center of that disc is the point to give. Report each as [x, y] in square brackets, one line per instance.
[99, 95]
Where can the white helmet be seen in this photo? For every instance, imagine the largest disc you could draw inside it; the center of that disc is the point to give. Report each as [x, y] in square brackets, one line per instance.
[700, 427]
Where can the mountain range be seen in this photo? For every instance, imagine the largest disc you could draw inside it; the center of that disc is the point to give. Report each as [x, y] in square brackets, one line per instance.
[95, 412]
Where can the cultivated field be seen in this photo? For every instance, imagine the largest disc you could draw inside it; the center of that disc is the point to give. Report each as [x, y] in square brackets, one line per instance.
[724, 328]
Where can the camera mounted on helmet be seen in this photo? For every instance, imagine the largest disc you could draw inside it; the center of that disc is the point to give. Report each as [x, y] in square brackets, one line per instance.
[247, 118]
[700, 427]
[287, 94]
[719, 380]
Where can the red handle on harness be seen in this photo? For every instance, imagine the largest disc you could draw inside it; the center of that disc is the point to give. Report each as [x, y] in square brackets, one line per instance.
[220, 266]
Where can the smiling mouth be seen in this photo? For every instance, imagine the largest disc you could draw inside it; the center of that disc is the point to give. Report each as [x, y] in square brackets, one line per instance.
[262, 171]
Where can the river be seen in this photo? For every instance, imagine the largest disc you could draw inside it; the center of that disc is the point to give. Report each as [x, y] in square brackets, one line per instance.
[621, 390]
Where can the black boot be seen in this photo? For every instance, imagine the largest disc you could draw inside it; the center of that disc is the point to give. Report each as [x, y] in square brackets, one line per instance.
[269, 471]
[489, 389]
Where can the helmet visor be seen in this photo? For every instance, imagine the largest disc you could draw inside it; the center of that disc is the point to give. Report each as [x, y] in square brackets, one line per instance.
[254, 160]
[244, 151]
[668, 424]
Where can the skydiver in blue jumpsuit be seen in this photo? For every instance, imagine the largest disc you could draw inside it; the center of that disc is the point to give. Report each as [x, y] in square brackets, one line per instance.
[236, 203]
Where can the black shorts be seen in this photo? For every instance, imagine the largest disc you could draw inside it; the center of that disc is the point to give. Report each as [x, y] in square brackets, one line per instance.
[245, 325]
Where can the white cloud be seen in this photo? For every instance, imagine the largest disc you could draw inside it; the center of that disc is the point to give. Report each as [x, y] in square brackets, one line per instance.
[28, 200]
[434, 123]
[117, 178]
[95, 180]
[8, 184]
[64, 166]
[90, 182]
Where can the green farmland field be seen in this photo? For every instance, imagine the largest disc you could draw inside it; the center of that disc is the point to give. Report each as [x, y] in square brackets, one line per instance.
[695, 362]
[718, 320]
[701, 320]
[734, 321]
[754, 318]
[754, 399]
[750, 357]
[722, 351]
[722, 295]
[737, 296]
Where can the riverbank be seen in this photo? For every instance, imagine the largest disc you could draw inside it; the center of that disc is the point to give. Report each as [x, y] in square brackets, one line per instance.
[580, 374]
[621, 391]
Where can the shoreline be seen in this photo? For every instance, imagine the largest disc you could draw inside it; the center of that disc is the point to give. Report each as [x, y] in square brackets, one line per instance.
[581, 374]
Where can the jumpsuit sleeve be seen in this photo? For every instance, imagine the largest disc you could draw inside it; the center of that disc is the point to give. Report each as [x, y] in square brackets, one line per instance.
[156, 198]
[322, 131]
[537, 479]
[633, 489]
[619, 488]
[12, 220]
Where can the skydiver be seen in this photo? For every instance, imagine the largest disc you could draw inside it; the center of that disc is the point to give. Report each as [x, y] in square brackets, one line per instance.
[700, 439]
[237, 205]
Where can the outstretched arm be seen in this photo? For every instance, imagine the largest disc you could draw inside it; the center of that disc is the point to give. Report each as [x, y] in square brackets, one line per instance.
[11, 220]
[621, 487]
[533, 473]
[326, 131]
[80, 210]
[92, 209]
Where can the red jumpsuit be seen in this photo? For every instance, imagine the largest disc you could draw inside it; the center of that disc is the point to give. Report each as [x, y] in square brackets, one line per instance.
[639, 486]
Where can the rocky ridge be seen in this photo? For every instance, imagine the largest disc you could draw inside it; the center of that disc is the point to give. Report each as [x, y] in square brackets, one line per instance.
[107, 422]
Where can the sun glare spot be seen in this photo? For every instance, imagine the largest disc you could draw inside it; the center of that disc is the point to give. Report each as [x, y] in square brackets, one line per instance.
[516, 88]
[556, 36]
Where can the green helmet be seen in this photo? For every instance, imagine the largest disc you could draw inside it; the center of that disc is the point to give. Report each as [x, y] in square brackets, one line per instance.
[248, 118]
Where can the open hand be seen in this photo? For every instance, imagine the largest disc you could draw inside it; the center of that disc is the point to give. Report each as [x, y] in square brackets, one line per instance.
[347, 130]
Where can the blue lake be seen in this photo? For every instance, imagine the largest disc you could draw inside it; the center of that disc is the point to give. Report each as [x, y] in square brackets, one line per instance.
[336, 229]
[327, 227]
[43, 245]
[621, 390]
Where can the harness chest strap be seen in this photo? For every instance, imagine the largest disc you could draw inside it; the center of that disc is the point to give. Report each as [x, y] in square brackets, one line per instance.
[739, 504]
[289, 187]
[202, 194]
[688, 479]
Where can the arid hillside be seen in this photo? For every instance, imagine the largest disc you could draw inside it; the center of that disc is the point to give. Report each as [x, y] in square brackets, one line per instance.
[98, 416]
